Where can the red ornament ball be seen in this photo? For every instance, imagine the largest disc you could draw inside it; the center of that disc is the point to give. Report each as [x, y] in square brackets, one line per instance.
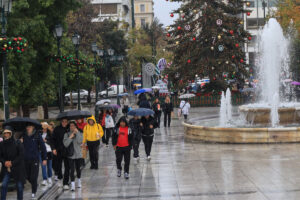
[249, 38]
[179, 28]
[248, 13]
[233, 56]
[242, 60]
[19, 38]
[237, 45]
[4, 49]
[172, 15]
[189, 61]
[15, 39]
[231, 32]
[194, 38]
[168, 34]
[22, 50]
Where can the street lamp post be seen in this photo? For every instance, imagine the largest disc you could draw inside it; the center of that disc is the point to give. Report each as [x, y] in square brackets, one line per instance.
[5, 9]
[264, 4]
[76, 42]
[58, 33]
[95, 51]
[110, 52]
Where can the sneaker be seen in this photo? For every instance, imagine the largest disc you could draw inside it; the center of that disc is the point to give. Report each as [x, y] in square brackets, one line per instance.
[59, 183]
[66, 187]
[148, 158]
[119, 173]
[126, 175]
[56, 178]
[79, 183]
[33, 196]
[72, 186]
[49, 181]
[44, 183]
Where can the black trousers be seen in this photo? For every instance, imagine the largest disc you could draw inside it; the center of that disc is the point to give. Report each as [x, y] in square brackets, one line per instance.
[167, 118]
[136, 146]
[75, 164]
[157, 118]
[185, 117]
[32, 173]
[93, 147]
[58, 167]
[107, 134]
[120, 153]
[148, 140]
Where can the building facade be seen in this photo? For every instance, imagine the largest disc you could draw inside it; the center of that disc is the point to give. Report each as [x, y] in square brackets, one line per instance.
[143, 12]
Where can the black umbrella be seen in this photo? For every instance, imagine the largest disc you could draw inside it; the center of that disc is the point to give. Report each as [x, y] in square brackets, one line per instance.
[141, 112]
[74, 114]
[109, 107]
[20, 123]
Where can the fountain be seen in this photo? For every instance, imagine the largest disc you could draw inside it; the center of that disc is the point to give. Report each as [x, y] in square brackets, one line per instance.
[272, 119]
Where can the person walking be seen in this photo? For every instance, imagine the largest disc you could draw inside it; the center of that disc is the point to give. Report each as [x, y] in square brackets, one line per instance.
[59, 152]
[143, 102]
[92, 134]
[109, 127]
[149, 125]
[167, 109]
[47, 170]
[125, 104]
[136, 126]
[102, 123]
[74, 137]
[156, 107]
[34, 146]
[185, 108]
[122, 142]
[12, 159]
[80, 124]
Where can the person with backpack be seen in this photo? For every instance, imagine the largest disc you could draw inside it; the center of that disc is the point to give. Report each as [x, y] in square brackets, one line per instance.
[149, 124]
[109, 127]
[12, 159]
[59, 153]
[156, 107]
[33, 146]
[92, 133]
[73, 142]
[122, 142]
[136, 127]
[167, 109]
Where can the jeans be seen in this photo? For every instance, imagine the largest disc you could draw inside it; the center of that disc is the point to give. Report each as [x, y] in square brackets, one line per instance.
[75, 164]
[46, 170]
[32, 173]
[148, 140]
[120, 153]
[93, 147]
[5, 182]
[167, 118]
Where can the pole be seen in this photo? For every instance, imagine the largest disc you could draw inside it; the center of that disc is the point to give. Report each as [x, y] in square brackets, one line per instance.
[78, 80]
[118, 91]
[132, 13]
[61, 99]
[96, 84]
[106, 71]
[257, 23]
[264, 6]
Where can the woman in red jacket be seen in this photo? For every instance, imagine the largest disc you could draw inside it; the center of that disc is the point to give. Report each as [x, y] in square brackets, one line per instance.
[122, 142]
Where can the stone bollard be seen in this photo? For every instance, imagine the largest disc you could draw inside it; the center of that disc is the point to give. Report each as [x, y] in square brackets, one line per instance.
[40, 112]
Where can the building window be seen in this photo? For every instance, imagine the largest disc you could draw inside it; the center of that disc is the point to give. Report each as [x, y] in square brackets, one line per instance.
[143, 22]
[108, 9]
[142, 7]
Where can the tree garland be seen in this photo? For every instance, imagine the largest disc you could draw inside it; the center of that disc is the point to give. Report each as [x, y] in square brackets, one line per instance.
[14, 44]
[70, 60]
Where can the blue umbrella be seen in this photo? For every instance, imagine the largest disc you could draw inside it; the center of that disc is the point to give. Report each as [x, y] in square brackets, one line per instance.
[141, 112]
[123, 94]
[143, 90]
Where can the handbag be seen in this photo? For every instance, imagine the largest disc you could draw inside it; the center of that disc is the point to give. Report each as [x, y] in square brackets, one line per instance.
[70, 150]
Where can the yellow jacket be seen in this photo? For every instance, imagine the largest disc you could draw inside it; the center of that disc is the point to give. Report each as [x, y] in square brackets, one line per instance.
[92, 133]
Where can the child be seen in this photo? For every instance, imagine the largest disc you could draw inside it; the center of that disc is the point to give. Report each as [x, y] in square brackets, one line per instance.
[109, 127]
[122, 142]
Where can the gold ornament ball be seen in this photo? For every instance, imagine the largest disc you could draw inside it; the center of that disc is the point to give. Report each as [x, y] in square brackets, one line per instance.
[195, 11]
[168, 27]
[219, 37]
[5, 45]
[177, 42]
[181, 11]
[241, 22]
[227, 62]
[248, 3]
[1, 39]
[219, 63]
[212, 48]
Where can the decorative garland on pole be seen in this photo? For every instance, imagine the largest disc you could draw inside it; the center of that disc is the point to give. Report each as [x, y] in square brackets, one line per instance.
[14, 44]
[71, 60]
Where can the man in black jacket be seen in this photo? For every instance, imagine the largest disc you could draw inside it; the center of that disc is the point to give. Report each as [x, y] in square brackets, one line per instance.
[12, 159]
[59, 152]
[149, 124]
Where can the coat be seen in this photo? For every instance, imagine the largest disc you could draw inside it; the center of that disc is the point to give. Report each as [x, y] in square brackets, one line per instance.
[12, 150]
[109, 122]
[76, 142]
[185, 107]
[57, 140]
[147, 131]
[168, 107]
[34, 146]
[156, 108]
[92, 133]
[115, 137]
[136, 129]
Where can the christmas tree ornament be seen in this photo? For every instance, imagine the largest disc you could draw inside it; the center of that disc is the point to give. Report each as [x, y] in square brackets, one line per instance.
[194, 38]
[171, 15]
[248, 3]
[177, 42]
[237, 45]
[227, 62]
[168, 28]
[219, 22]
[181, 11]
[233, 56]
[182, 16]
[248, 13]
[195, 11]
[219, 37]
[221, 48]
[168, 34]
[242, 60]
[187, 27]
[231, 32]
[242, 22]
[179, 28]
[189, 61]
[213, 68]
[249, 38]
[212, 48]
[219, 63]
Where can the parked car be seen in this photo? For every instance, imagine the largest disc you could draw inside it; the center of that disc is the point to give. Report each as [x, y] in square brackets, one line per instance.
[83, 95]
[112, 91]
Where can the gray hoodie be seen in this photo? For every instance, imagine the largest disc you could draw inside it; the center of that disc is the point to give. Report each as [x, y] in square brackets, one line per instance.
[76, 141]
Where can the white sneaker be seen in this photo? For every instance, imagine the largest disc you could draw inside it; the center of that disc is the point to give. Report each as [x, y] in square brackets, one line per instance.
[149, 158]
[50, 181]
[56, 178]
[72, 186]
[79, 183]
[59, 183]
[44, 183]
[33, 196]
[66, 187]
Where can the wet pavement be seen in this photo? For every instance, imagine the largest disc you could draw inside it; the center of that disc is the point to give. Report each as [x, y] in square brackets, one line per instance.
[187, 170]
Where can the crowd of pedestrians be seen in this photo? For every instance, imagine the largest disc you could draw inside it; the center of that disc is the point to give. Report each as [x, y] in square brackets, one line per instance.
[61, 148]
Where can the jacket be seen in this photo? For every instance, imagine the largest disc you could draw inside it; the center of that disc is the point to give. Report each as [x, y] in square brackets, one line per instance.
[33, 146]
[144, 104]
[48, 137]
[12, 150]
[155, 108]
[147, 131]
[57, 140]
[76, 142]
[115, 137]
[109, 122]
[185, 107]
[81, 125]
[136, 129]
[92, 133]
[168, 107]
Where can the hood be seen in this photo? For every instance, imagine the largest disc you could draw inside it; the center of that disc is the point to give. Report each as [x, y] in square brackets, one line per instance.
[92, 118]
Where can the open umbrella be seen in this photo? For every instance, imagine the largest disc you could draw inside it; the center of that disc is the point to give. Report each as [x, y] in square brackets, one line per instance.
[103, 101]
[186, 96]
[20, 123]
[123, 94]
[155, 87]
[74, 114]
[143, 90]
[295, 83]
[141, 112]
[109, 106]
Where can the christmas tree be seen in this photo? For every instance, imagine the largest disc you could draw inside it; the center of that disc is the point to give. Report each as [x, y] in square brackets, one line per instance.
[208, 39]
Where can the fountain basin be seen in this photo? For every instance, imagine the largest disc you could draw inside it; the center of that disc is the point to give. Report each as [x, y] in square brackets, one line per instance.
[262, 116]
[242, 135]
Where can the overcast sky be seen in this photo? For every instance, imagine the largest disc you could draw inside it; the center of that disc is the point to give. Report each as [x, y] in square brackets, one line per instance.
[162, 10]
